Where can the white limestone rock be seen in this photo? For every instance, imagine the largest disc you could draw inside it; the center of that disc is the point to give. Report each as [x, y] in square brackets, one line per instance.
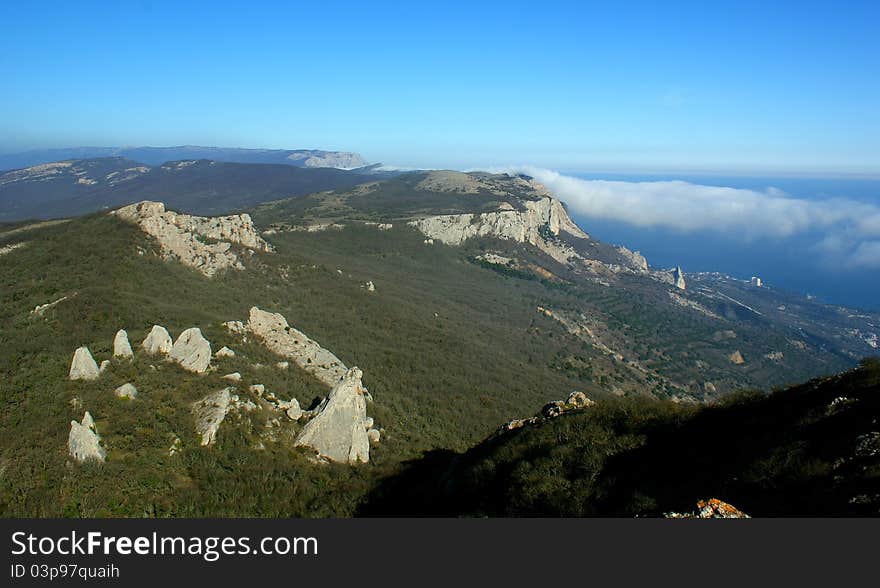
[192, 351]
[83, 442]
[126, 391]
[224, 352]
[293, 410]
[158, 341]
[373, 436]
[678, 279]
[233, 377]
[288, 342]
[235, 327]
[83, 366]
[210, 411]
[337, 431]
[121, 346]
[181, 236]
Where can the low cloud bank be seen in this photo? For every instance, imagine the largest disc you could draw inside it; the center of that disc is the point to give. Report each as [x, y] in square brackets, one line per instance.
[849, 231]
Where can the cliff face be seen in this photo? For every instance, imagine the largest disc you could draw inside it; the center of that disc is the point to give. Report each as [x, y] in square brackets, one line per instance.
[537, 224]
[181, 236]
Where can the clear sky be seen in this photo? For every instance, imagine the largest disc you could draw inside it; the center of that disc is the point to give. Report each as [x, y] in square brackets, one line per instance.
[739, 86]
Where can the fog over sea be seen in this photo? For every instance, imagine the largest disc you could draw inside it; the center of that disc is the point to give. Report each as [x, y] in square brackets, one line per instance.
[833, 260]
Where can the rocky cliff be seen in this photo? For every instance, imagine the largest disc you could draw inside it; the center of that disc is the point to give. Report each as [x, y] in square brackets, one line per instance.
[205, 243]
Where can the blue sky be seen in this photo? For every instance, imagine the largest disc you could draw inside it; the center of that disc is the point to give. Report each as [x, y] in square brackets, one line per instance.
[735, 87]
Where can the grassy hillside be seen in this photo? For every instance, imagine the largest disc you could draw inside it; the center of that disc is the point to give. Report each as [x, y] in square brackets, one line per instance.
[811, 450]
[450, 348]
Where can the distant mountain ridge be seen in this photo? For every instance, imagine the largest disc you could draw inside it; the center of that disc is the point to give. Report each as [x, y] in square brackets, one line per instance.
[159, 155]
[80, 186]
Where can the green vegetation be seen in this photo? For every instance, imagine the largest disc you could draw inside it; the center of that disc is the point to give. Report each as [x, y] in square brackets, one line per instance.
[811, 450]
[450, 348]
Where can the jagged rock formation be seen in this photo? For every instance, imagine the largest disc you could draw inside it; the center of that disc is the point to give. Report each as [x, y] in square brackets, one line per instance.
[678, 279]
[710, 509]
[83, 366]
[736, 358]
[10, 248]
[634, 258]
[284, 340]
[210, 412]
[337, 159]
[41, 309]
[192, 351]
[158, 341]
[121, 346]
[540, 221]
[183, 237]
[338, 432]
[575, 401]
[126, 391]
[83, 442]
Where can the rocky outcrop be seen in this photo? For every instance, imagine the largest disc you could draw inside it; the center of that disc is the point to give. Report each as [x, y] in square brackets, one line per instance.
[83, 442]
[736, 358]
[678, 279]
[224, 352]
[288, 342]
[209, 412]
[158, 341]
[204, 243]
[575, 401]
[192, 351]
[83, 366]
[41, 309]
[634, 259]
[121, 346]
[126, 391]
[10, 248]
[710, 509]
[337, 432]
[540, 222]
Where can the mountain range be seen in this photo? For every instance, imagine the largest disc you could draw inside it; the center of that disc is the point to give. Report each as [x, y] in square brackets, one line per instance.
[335, 348]
[159, 155]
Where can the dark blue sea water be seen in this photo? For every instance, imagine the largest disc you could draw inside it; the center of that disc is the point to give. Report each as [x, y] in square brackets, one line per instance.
[791, 263]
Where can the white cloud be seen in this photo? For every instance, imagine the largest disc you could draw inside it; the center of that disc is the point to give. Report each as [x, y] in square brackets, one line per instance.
[849, 230]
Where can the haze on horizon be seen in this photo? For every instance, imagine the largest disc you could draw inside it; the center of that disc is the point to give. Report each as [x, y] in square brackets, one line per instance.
[747, 87]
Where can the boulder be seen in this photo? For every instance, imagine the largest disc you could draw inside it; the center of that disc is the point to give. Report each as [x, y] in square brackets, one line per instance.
[126, 391]
[282, 365]
[224, 352]
[83, 366]
[736, 358]
[373, 436]
[233, 377]
[553, 409]
[83, 442]
[370, 286]
[121, 346]
[210, 412]
[710, 509]
[293, 411]
[192, 351]
[235, 327]
[104, 365]
[678, 279]
[158, 341]
[337, 431]
[579, 400]
[286, 341]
